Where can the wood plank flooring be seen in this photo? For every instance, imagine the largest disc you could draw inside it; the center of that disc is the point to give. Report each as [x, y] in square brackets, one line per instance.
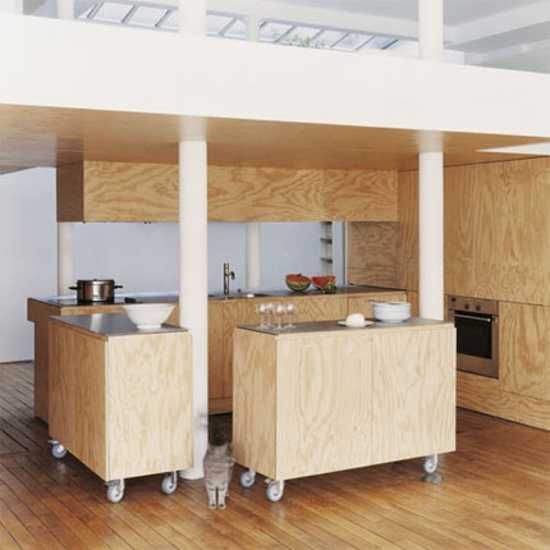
[495, 495]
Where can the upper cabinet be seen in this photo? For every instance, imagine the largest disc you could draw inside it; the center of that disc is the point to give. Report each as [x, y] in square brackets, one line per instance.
[95, 191]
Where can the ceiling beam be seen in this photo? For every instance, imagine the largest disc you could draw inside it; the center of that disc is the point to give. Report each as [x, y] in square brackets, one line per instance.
[478, 35]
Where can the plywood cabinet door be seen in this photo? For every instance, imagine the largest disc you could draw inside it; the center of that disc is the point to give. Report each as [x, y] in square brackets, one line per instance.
[319, 308]
[363, 304]
[413, 394]
[238, 312]
[525, 349]
[215, 351]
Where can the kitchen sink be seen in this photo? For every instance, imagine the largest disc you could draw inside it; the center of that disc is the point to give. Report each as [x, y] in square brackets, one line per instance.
[239, 296]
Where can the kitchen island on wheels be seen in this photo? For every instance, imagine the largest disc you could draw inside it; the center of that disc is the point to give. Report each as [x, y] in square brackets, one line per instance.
[120, 398]
[320, 397]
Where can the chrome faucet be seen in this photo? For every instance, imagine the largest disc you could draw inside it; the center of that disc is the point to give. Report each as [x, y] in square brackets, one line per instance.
[228, 275]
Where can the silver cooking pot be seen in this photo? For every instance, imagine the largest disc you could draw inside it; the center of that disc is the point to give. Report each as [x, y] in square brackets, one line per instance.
[95, 290]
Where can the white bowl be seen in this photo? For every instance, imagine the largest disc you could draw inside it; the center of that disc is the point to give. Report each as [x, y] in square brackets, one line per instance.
[392, 312]
[148, 316]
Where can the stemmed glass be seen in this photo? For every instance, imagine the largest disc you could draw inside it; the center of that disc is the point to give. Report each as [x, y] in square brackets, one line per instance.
[290, 311]
[280, 311]
[265, 311]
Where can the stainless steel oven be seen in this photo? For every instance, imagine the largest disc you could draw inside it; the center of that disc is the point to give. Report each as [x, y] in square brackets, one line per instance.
[476, 323]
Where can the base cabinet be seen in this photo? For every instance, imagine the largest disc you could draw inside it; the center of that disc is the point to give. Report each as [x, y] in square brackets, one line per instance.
[313, 403]
[122, 404]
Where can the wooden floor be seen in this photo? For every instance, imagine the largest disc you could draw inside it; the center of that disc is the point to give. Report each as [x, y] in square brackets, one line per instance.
[495, 494]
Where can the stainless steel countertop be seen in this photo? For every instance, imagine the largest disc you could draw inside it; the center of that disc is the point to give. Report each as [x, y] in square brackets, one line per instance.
[170, 298]
[333, 326]
[111, 324]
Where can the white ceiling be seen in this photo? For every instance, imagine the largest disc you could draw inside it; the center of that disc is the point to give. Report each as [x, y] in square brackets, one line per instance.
[456, 11]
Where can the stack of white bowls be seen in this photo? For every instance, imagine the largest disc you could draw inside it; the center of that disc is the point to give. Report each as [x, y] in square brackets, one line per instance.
[392, 312]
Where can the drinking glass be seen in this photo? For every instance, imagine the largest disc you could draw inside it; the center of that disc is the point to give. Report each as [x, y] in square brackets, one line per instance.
[290, 311]
[269, 311]
[280, 311]
[262, 311]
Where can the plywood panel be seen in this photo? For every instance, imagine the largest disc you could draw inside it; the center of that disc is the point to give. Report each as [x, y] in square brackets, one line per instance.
[413, 392]
[319, 308]
[357, 195]
[486, 395]
[254, 398]
[372, 253]
[265, 194]
[407, 246]
[149, 400]
[236, 312]
[525, 350]
[216, 383]
[38, 313]
[70, 192]
[324, 417]
[125, 192]
[497, 230]
[77, 406]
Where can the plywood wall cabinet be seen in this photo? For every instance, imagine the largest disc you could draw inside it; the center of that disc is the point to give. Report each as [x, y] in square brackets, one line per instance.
[95, 191]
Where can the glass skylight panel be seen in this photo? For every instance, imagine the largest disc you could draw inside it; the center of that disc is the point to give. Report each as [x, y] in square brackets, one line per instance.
[352, 41]
[237, 30]
[326, 39]
[145, 16]
[217, 23]
[170, 23]
[112, 13]
[379, 43]
[300, 36]
[272, 31]
[85, 14]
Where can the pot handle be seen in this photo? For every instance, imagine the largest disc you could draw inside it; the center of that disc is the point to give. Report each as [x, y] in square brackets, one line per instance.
[118, 286]
[73, 288]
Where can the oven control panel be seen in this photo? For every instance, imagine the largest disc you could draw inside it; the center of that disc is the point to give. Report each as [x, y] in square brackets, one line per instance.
[473, 305]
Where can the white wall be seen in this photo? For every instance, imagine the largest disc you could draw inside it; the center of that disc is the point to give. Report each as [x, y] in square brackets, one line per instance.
[142, 257]
[27, 254]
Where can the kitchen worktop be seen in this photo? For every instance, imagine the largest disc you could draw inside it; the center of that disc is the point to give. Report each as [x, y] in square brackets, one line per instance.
[172, 297]
[332, 326]
[111, 324]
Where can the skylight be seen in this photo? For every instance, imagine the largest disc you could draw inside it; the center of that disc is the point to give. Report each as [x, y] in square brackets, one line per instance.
[227, 25]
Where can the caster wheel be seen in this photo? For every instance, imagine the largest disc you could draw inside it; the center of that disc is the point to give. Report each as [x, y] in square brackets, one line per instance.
[248, 478]
[58, 451]
[169, 483]
[431, 464]
[115, 491]
[275, 490]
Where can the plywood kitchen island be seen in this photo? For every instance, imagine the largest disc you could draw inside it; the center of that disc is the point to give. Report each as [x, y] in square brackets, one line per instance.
[321, 398]
[120, 398]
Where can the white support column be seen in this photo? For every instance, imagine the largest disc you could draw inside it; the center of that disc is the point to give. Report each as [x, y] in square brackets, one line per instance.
[65, 267]
[253, 233]
[65, 9]
[193, 223]
[65, 261]
[11, 6]
[430, 29]
[431, 175]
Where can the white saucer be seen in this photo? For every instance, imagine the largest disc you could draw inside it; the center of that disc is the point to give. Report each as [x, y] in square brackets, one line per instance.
[367, 323]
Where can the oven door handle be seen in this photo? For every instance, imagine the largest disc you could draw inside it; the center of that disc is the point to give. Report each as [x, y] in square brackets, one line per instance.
[475, 318]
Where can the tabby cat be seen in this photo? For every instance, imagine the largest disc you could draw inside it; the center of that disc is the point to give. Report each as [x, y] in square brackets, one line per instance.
[218, 468]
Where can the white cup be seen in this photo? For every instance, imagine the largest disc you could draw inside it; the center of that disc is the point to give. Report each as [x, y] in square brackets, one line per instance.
[355, 320]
